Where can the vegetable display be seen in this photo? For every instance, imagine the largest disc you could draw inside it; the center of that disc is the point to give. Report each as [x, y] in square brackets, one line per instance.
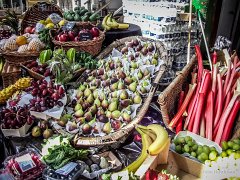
[219, 90]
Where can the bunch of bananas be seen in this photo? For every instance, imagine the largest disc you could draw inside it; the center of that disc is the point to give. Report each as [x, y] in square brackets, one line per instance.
[7, 93]
[109, 23]
[1, 64]
[154, 140]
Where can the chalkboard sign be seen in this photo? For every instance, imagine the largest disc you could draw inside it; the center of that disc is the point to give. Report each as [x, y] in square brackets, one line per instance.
[85, 36]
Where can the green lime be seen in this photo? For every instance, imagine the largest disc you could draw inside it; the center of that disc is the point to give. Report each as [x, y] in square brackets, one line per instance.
[236, 141]
[213, 149]
[190, 143]
[199, 150]
[186, 148]
[212, 156]
[199, 157]
[195, 147]
[224, 154]
[230, 144]
[237, 156]
[236, 147]
[193, 154]
[176, 141]
[204, 156]
[188, 138]
[229, 152]
[181, 140]
[206, 149]
[224, 145]
[178, 149]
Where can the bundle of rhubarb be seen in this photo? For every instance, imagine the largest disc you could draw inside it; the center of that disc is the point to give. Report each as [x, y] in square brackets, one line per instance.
[211, 103]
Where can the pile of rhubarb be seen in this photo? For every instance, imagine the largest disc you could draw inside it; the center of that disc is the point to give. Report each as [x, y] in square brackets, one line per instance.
[211, 103]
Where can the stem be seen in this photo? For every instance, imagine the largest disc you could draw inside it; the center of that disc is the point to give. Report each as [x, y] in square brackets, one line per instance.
[227, 100]
[198, 113]
[184, 106]
[230, 122]
[194, 78]
[214, 57]
[224, 117]
[220, 100]
[202, 127]
[214, 77]
[200, 63]
[209, 116]
[180, 123]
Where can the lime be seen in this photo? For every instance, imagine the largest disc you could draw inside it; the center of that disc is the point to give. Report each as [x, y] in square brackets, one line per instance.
[176, 141]
[237, 156]
[199, 149]
[186, 148]
[190, 143]
[229, 152]
[224, 145]
[206, 149]
[213, 149]
[230, 144]
[212, 156]
[236, 147]
[224, 154]
[236, 141]
[181, 140]
[199, 157]
[188, 138]
[204, 156]
[195, 147]
[178, 149]
[193, 154]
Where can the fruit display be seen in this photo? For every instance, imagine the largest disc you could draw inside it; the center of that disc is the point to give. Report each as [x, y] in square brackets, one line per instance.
[154, 139]
[80, 14]
[190, 146]
[155, 175]
[43, 128]
[7, 93]
[211, 102]
[25, 165]
[15, 118]
[78, 34]
[22, 44]
[111, 95]
[109, 23]
[45, 95]
[42, 69]
[231, 148]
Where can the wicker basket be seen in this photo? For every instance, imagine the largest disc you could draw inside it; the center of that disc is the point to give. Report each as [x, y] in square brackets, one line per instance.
[32, 73]
[16, 59]
[93, 47]
[118, 137]
[168, 98]
[10, 74]
[39, 11]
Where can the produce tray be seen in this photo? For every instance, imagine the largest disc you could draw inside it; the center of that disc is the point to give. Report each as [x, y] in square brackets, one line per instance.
[21, 132]
[116, 138]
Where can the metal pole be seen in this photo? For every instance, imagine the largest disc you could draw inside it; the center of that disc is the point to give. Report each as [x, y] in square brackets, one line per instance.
[189, 32]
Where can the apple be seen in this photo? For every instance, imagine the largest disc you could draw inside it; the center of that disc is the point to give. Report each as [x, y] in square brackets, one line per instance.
[33, 30]
[71, 35]
[94, 31]
[63, 38]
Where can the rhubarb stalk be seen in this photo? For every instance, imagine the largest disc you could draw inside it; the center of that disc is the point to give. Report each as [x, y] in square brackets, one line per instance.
[180, 123]
[225, 115]
[184, 105]
[209, 116]
[230, 121]
[202, 127]
[214, 57]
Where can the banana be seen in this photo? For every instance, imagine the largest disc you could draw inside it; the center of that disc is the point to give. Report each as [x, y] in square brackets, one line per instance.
[150, 133]
[123, 26]
[111, 22]
[104, 23]
[161, 141]
[146, 142]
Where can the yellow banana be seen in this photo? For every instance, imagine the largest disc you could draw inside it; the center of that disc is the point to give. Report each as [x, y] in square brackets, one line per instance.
[146, 142]
[123, 26]
[111, 22]
[161, 141]
[104, 23]
[150, 133]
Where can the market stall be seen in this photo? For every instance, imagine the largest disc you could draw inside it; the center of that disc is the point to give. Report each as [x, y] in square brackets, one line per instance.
[88, 97]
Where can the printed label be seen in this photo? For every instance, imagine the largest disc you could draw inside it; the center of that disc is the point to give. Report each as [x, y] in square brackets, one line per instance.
[25, 162]
[65, 170]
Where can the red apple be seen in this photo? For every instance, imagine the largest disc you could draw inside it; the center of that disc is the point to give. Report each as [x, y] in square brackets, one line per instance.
[33, 30]
[71, 35]
[28, 29]
[63, 38]
[95, 32]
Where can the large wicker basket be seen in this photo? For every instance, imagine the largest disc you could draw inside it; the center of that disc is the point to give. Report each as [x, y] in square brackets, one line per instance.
[15, 58]
[10, 74]
[93, 47]
[39, 11]
[168, 98]
[118, 137]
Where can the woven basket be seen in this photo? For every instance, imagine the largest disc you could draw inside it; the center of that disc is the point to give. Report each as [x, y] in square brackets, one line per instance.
[39, 11]
[10, 74]
[118, 137]
[16, 59]
[93, 47]
[168, 98]
[32, 73]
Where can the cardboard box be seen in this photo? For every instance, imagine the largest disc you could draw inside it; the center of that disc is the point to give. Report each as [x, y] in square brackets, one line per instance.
[21, 132]
[111, 157]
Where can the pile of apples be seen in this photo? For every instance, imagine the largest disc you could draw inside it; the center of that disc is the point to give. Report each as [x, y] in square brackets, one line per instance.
[73, 35]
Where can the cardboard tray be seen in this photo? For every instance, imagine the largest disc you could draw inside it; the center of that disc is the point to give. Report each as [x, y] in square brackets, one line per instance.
[21, 132]
[111, 157]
